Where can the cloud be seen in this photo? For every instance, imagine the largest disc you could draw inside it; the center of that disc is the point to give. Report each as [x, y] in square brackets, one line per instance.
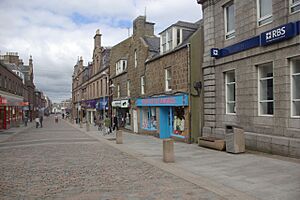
[56, 32]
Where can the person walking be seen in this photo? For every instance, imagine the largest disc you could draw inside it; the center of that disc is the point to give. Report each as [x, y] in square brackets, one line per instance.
[115, 127]
[37, 122]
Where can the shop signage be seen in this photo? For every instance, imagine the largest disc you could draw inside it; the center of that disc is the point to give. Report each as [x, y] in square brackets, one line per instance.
[116, 104]
[3, 100]
[102, 103]
[272, 36]
[179, 100]
[125, 103]
[278, 34]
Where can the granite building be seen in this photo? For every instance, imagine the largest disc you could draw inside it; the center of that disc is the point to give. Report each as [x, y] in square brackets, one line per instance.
[252, 72]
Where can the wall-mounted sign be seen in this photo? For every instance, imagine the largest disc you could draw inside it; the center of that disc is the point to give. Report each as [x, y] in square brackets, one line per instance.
[178, 100]
[272, 36]
[116, 104]
[214, 52]
[278, 34]
[125, 103]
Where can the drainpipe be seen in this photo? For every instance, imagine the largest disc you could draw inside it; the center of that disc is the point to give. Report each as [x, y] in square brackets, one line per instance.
[189, 93]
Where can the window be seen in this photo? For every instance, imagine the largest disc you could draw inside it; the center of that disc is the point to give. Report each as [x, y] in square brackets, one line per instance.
[164, 42]
[170, 41]
[142, 84]
[179, 36]
[0, 80]
[230, 92]
[229, 20]
[264, 11]
[295, 84]
[168, 79]
[106, 86]
[97, 89]
[135, 58]
[101, 87]
[295, 5]
[266, 97]
[128, 88]
[118, 90]
[148, 120]
[121, 66]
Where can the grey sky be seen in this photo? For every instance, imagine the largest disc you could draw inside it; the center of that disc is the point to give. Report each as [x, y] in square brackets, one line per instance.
[56, 32]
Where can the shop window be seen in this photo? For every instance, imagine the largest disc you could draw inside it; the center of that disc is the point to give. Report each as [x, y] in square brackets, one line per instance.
[229, 20]
[295, 5]
[266, 97]
[264, 11]
[149, 121]
[178, 121]
[168, 79]
[230, 92]
[295, 69]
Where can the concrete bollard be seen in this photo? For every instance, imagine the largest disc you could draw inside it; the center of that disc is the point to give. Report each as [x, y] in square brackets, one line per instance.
[168, 150]
[119, 137]
[87, 126]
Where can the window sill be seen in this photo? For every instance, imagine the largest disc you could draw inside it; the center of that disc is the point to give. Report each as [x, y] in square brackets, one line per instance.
[149, 129]
[266, 115]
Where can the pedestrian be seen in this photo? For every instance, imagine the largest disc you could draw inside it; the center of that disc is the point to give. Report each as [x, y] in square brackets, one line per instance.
[115, 127]
[56, 118]
[25, 120]
[37, 122]
[63, 115]
[41, 121]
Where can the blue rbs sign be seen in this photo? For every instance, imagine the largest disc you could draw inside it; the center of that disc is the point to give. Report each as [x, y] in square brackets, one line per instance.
[272, 36]
[278, 34]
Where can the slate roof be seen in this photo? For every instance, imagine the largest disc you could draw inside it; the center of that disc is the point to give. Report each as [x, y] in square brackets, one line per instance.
[153, 43]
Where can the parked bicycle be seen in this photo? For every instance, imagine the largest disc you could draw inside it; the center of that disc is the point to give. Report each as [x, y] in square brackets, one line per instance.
[104, 127]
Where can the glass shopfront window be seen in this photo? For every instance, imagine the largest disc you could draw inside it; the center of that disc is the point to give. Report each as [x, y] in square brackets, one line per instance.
[178, 121]
[148, 118]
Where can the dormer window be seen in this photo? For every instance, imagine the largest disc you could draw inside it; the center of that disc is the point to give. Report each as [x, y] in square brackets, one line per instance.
[170, 38]
[121, 66]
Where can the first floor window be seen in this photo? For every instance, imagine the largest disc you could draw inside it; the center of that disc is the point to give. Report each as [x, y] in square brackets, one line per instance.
[168, 79]
[229, 20]
[295, 82]
[118, 90]
[266, 97]
[230, 91]
[143, 85]
[128, 88]
[264, 11]
[295, 5]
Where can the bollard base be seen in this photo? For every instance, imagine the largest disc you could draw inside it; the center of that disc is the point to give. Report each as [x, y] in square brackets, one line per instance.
[119, 137]
[168, 151]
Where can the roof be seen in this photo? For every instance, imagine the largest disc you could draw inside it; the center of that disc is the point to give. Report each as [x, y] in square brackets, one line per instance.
[153, 43]
[183, 24]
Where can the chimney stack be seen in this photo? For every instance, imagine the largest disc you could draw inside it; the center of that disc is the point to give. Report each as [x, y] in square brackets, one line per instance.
[97, 39]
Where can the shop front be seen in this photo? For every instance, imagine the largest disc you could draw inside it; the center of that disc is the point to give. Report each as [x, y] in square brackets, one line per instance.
[102, 108]
[121, 108]
[90, 107]
[166, 115]
[11, 112]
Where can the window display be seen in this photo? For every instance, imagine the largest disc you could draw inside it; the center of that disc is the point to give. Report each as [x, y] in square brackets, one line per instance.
[179, 120]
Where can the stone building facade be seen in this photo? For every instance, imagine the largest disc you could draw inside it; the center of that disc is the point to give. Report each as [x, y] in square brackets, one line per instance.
[90, 85]
[127, 67]
[164, 108]
[251, 72]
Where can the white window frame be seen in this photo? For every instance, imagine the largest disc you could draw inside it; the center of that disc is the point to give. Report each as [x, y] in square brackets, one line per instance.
[120, 66]
[260, 19]
[228, 34]
[293, 5]
[259, 67]
[135, 58]
[226, 92]
[128, 88]
[292, 87]
[142, 84]
[163, 41]
[167, 86]
[118, 91]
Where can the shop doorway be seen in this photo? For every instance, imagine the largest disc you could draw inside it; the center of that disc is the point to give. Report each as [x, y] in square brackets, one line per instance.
[165, 119]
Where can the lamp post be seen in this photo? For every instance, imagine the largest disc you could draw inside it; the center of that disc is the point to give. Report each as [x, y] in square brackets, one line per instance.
[110, 95]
